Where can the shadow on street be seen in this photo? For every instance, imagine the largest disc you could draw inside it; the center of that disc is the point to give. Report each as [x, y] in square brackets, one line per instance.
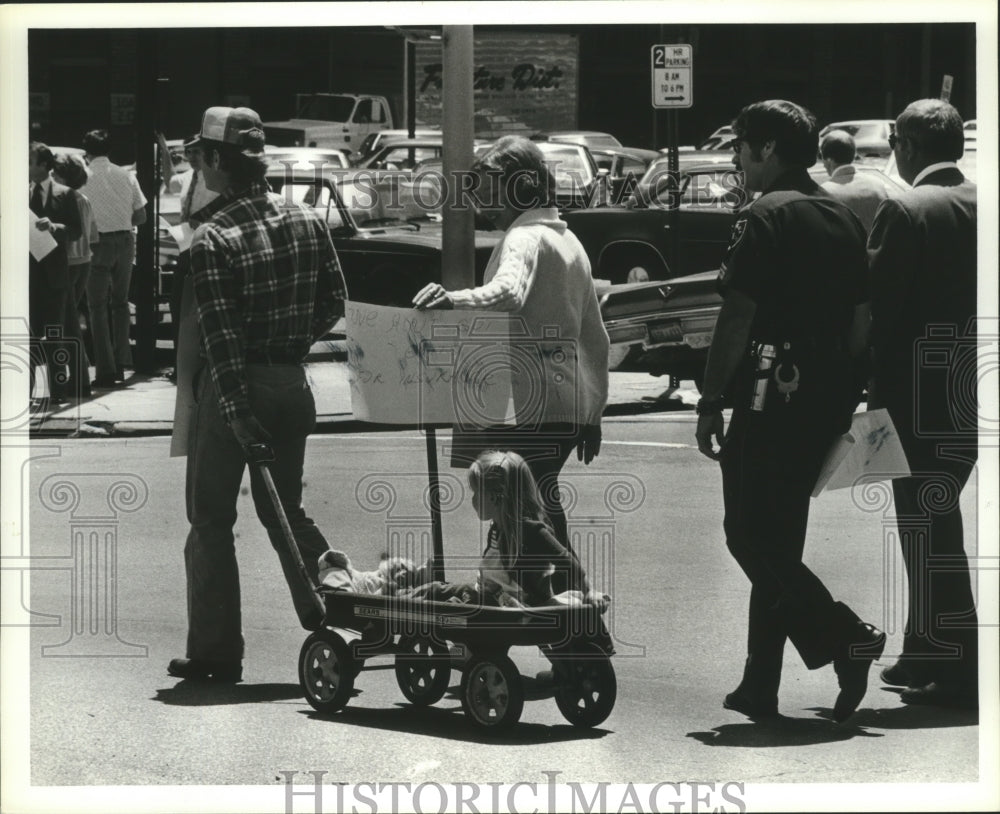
[450, 723]
[188, 693]
[781, 731]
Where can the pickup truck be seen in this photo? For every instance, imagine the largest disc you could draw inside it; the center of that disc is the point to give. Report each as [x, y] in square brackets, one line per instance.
[339, 121]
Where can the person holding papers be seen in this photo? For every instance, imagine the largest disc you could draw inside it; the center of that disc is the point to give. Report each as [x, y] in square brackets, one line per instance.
[53, 213]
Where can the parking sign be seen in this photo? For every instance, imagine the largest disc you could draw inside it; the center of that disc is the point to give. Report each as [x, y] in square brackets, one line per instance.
[672, 67]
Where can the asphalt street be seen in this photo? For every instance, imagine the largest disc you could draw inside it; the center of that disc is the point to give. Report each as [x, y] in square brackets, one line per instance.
[98, 635]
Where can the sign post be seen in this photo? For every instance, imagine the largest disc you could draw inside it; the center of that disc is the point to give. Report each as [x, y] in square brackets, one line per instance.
[946, 83]
[672, 67]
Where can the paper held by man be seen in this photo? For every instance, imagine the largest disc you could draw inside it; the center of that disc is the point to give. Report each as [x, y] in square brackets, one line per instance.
[40, 241]
[871, 449]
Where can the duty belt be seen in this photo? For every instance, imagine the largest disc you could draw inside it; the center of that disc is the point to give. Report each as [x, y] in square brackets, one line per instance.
[263, 357]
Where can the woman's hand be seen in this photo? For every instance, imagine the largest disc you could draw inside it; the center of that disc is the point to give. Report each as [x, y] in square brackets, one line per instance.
[599, 600]
[432, 295]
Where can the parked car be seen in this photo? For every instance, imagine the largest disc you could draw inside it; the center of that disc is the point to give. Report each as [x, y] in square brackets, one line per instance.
[388, 238]
[579, 183]
[634, 242]
[376, 141]
[665, 328]
[871, 136]
[306, 157]
[624, 166]
[487, 124]
[721, 139]
[970, 134]
[588, 138]
[404, 154]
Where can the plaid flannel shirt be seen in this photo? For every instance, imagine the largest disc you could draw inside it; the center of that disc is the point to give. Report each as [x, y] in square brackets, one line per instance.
[267, 284]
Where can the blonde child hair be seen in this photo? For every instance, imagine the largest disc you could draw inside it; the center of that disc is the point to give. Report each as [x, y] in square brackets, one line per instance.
[507, 479]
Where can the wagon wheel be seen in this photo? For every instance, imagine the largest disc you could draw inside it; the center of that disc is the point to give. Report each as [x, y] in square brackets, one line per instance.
[586, 687]
[423, 670]
[492, 693]
[326, 671]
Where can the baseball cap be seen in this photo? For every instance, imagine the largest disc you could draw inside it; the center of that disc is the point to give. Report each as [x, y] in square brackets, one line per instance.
[239, 126]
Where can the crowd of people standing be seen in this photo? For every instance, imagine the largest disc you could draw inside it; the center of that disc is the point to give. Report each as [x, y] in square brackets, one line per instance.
[90, 208]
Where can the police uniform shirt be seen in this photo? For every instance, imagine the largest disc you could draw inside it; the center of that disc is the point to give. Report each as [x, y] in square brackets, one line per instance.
[799, 254]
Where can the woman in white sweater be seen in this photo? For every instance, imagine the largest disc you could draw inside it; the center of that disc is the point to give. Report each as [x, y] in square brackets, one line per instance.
[539, 273]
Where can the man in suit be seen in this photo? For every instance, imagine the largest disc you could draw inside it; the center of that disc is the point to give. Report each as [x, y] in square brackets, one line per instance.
[922, 253]
[860, 192]
[55, 211]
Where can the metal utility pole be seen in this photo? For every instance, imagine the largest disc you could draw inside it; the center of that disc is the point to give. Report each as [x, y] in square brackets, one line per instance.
[147, 173]
[458, 252]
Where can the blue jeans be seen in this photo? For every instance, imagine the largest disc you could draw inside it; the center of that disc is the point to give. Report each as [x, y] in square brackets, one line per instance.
[283, 403]
[107, 301]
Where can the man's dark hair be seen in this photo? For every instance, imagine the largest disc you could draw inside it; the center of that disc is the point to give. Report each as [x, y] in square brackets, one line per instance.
[42, 154]
[243, 170]
[934, 127]
[97, 142]
[838, 146]
[791, 127]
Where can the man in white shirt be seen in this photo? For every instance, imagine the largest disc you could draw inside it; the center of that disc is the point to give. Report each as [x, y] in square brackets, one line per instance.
[195, 199]
[118, 205]
[860, 192]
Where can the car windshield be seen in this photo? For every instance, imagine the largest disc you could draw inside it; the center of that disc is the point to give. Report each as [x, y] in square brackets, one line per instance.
[392, 198]
[717, 186]
[327, 108]
[568, 165]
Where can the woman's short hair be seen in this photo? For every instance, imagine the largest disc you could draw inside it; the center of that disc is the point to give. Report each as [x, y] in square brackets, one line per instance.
[791, 127]
[72, 169]
[519, 162]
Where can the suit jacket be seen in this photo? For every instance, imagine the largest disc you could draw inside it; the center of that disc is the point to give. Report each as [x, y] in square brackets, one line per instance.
[922, 257]
[60, 207]
[859, 192]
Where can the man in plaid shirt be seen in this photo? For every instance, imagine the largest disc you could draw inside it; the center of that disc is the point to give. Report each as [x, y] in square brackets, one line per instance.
[267, 284]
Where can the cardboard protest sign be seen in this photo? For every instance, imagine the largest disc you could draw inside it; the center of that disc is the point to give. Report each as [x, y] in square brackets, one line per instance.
[427, 367]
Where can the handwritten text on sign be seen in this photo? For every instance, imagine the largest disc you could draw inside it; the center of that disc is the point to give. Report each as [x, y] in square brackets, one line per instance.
[427, 367]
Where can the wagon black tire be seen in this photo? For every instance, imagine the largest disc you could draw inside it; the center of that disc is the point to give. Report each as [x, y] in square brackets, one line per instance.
[586, 687]
[492, 692]
[327, 671]
[423, 670]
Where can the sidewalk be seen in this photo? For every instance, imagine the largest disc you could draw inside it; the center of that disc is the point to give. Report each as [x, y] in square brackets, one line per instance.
[144, 404]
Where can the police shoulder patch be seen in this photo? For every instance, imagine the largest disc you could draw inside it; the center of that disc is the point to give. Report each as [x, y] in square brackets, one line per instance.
[739, 229]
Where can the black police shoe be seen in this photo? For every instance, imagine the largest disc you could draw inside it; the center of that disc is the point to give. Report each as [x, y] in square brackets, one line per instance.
[229, 672]
[754, 709]
[896, 676]
[852, 669]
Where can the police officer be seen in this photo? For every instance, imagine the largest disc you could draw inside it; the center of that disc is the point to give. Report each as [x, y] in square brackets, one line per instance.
[794, 315]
